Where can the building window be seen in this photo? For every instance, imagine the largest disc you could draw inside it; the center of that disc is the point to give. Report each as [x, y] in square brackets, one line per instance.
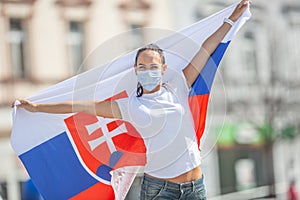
[75, 40]
[135, 14]
[18, 48]
[292, 14]
[3, 190]
[137, 36]
[241, 67]
[295, 50]
[250, 58]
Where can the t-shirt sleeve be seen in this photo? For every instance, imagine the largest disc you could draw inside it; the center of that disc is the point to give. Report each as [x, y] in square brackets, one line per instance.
[178, 83]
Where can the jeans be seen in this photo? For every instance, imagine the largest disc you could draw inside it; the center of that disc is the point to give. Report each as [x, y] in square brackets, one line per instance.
[156, 189]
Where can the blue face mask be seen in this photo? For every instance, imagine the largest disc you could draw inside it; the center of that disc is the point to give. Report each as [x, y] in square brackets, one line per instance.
[149, 79]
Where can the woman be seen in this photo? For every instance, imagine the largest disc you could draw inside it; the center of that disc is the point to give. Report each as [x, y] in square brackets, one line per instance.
[173, 159]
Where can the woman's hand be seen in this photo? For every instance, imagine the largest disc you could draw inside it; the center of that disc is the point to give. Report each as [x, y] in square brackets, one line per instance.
[239, 10]
[26, 105]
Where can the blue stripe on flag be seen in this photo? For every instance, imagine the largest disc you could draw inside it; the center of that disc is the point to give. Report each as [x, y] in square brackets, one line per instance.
[60, 175]
[204, 81]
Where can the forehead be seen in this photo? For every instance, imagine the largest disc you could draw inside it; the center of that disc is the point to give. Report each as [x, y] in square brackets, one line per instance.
[149, 56]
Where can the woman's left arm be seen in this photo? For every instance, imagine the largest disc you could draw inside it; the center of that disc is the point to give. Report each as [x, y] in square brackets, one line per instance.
[193, 69]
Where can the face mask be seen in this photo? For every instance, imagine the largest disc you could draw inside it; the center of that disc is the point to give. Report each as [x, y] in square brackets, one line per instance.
[149, 79]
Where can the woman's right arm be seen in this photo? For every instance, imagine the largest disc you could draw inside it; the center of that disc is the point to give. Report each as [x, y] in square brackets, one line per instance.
[107, 109]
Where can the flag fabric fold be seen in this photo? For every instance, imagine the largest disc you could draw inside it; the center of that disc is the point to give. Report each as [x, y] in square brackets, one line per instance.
[80, 156]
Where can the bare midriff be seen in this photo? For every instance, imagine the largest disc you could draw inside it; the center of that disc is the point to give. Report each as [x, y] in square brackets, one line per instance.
[189, 176]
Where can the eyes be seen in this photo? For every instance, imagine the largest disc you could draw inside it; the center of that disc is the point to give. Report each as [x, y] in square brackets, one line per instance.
[142, 67]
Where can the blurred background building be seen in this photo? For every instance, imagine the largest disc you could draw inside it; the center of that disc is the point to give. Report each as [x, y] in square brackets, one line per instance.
[252, 137]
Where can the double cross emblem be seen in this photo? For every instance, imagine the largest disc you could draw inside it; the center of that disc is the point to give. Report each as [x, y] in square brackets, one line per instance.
[103, 145]
[107, 137]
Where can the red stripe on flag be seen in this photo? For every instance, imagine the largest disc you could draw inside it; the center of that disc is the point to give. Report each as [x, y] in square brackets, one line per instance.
[120, 95]
[95, 192]
[198, 105]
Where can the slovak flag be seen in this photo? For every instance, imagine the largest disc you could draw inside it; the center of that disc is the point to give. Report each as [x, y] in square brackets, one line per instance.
[79, 156]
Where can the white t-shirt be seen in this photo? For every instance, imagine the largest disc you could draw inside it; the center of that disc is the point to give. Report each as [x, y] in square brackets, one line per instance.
[165, 122]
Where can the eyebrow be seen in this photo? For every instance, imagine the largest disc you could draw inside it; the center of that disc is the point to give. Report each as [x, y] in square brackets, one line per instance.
[153, 64]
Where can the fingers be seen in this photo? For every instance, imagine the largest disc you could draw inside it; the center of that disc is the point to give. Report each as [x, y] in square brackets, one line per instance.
[15, 103]
[27, 105]
[244, 3]
[22, 101]
[21, 104]
[240, 8]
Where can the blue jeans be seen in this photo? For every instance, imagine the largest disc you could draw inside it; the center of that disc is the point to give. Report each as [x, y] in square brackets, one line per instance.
[156, 189]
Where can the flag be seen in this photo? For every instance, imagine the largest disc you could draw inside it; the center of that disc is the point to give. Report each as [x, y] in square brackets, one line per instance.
[80, 156]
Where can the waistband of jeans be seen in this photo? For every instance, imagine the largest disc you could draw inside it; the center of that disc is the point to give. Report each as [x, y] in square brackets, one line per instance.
[192, 184]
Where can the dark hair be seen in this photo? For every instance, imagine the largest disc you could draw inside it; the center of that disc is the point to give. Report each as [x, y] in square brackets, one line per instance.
[152, 47]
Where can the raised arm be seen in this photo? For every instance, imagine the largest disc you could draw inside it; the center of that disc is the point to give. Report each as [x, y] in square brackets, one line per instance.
[193, 69]
[108, 109]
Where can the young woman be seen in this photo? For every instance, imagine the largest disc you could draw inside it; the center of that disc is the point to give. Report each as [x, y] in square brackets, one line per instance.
[160, 112]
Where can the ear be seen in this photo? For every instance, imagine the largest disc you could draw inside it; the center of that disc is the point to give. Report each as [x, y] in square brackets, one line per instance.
[164, 68]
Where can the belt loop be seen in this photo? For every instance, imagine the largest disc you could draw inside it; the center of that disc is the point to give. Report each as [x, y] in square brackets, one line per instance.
[193, 183]
[165, 185]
